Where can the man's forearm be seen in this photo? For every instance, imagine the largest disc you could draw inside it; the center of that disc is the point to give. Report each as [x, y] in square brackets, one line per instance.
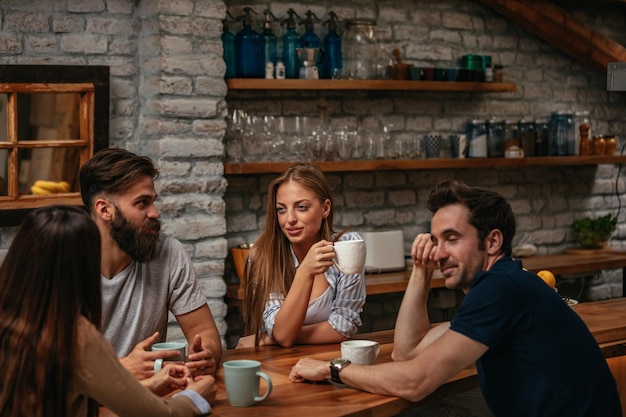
[412, 322]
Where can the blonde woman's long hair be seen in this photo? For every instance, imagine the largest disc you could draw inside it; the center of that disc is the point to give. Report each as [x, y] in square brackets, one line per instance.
[270, 268]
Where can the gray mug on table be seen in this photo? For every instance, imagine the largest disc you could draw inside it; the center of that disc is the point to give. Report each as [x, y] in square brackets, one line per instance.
[179, 346]
[242, 378]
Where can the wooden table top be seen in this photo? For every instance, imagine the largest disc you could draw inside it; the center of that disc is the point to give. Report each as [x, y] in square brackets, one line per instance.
[605, 319]
[321, 398]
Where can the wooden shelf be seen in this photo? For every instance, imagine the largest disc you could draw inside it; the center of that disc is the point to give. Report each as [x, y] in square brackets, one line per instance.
[297, 84]
[416, 164]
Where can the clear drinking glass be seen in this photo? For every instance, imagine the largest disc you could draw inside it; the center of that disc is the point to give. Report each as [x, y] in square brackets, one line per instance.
[342, 144]
[252, 139]
[234, 135]
[357, 144]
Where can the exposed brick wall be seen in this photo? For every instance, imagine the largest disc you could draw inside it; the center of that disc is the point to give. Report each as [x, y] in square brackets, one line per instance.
[168, 99]
[167, 102]
[546, 200]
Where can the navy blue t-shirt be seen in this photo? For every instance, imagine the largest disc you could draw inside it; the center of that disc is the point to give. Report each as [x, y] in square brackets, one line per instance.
[542, 359]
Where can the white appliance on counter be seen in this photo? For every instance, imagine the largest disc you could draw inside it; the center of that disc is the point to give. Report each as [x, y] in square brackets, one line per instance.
[385, 251]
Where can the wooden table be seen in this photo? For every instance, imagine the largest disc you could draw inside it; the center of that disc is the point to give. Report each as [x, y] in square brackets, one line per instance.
[322, 398]
[605, 319]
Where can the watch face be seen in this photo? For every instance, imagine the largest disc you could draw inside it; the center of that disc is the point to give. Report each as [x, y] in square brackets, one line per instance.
[340, 361]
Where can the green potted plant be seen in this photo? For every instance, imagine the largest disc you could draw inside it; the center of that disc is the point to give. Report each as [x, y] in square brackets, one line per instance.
[595, 232]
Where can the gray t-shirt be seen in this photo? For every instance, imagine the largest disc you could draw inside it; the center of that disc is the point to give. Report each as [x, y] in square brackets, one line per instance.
[136, 301]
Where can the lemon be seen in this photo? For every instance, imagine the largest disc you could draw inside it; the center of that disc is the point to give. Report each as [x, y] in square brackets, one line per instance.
[547, 277]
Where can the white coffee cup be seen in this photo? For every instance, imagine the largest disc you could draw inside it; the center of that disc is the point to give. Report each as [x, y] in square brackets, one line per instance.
[363, 352]
[350, 256]
[241, 378]
[179, 346]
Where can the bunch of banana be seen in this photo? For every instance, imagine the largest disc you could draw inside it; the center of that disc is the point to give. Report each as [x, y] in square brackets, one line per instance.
[50, 187]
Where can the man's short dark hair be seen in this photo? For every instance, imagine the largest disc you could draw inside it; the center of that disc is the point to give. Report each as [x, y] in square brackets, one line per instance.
[112, 172]
[488, 209]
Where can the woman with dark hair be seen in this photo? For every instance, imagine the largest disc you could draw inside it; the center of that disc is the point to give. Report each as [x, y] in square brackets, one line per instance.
[294, 292]
[54, 360]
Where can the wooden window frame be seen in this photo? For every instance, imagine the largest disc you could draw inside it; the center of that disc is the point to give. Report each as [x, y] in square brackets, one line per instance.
[92, 83]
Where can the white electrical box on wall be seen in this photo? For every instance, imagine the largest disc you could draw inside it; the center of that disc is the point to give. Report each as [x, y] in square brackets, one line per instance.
[616, 76]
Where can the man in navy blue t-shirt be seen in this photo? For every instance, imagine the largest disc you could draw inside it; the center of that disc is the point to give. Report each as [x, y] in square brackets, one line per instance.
[534, 355]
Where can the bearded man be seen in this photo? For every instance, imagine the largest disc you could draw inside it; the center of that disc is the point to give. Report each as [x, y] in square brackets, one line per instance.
[144, 275]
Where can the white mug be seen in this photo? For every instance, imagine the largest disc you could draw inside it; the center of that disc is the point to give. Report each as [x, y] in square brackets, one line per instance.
[363, 352]
[179, 346]
[241, 378]
[350, 256]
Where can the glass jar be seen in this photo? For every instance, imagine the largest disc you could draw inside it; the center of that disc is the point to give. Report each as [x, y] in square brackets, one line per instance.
[542, 137]
[495, 138]
[526, 134]
[360, 50]
[611, 145]
[598, 146]
[476, 139]
[512, 147]
[562, 135]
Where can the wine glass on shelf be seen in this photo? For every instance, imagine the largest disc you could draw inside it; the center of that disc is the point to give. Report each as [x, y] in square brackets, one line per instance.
[234, 135]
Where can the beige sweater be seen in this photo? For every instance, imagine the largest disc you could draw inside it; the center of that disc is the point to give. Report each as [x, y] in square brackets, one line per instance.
[100, 376]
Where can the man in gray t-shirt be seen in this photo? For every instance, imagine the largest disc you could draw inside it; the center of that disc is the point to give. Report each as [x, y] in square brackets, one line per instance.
[144, 275]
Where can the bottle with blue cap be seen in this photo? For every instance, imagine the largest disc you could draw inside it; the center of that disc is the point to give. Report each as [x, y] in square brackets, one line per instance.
[290, 44]
[248, 49]
[268, 40]
[228, 44]
[309, 39]
[332, 62]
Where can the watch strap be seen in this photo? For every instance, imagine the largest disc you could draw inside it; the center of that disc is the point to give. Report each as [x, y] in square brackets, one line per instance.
[335, 368]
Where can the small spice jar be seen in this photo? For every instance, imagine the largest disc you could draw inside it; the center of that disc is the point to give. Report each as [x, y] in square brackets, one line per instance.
[610, 145]
[498, 73]
[598, 145]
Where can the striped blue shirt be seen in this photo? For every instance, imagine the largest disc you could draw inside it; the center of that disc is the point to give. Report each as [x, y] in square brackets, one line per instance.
[341, 304]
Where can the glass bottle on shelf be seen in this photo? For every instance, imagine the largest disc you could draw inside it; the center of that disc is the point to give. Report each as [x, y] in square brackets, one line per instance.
[309, 39]
[332, 62]
[228, 45]
[542, 137]
[290, 44]
[269, 41]
[247, 49]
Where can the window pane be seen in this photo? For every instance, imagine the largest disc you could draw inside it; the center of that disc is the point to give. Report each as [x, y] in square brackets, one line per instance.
[48, 164]
[3, 120]
[48, 116]
[4, 155]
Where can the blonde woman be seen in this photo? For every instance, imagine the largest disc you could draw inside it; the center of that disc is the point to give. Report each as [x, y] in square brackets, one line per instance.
[294, 292]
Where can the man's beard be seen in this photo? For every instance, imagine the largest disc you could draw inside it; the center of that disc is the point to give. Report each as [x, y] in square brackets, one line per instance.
[135, 241]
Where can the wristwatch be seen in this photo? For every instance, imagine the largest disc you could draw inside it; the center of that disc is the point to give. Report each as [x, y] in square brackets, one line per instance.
[337, 365]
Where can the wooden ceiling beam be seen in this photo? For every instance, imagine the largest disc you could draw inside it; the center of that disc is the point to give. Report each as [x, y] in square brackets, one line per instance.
[562, 30]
